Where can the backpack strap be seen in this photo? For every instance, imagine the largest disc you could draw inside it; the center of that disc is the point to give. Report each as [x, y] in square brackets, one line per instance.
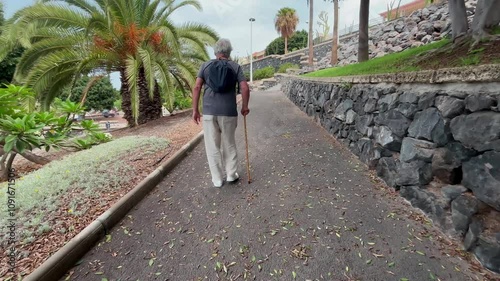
[238, 91]
[206, 66]
[203, 72]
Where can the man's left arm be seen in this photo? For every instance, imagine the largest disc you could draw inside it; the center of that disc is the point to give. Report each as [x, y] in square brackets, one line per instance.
[196, 99]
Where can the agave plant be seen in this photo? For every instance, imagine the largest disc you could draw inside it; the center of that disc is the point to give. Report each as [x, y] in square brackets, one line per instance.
[65, 38]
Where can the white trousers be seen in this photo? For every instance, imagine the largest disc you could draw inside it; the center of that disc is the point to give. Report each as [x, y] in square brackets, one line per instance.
[220, 144]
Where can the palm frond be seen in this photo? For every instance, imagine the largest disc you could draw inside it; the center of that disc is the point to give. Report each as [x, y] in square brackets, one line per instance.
[54, 15]
[132, 75]
[61, 81]
[119, 12]
[146, 56]
[149, 13]
[44, 72]
[165, 82]
[185, 70]
[42, 48]
[169, 30]
[81, 4]
[184, 3]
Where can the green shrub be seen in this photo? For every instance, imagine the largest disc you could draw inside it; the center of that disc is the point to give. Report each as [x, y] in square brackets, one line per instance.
[247, 75]
[177, 101]
[118, 104]
[286, 66]
[263, 73]
[470, 60]
[181, 101]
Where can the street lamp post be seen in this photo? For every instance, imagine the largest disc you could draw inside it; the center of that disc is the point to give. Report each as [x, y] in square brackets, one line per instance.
[251, 52]
[307, 34]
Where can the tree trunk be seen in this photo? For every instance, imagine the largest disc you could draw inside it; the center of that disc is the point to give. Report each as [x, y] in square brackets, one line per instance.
[364, 12]
[149, 108]
[89, 85]
[40, 160]
[6, 160]
[126, 99]
[458, 14]
[311, 51]
[334, 58]
[487, 16]
[286, 45]
[6, 165]
[3, 170]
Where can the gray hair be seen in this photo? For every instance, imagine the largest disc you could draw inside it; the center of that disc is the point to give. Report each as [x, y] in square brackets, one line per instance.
[223, 47]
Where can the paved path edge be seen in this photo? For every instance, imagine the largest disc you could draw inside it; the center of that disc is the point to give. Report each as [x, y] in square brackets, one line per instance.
[65, 258]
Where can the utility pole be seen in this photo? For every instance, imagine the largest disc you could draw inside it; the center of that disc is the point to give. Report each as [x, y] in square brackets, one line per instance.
[311, 50]
[251, 52]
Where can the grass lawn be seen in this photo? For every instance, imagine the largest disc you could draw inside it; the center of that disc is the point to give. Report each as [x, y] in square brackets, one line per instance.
[441, 54]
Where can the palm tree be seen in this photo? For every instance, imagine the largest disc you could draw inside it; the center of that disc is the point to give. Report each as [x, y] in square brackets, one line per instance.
[285, 23]
[364, 12]
[134, 37]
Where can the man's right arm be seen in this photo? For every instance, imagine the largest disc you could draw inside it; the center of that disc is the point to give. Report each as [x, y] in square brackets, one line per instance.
[245, 94]
[245, 91]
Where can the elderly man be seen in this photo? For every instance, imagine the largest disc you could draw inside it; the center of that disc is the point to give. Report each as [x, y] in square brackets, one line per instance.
[221, 76]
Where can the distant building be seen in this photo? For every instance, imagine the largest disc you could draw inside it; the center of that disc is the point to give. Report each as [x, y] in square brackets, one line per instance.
[244, 60]
[259, 55]
[404, 10]
[256, 56]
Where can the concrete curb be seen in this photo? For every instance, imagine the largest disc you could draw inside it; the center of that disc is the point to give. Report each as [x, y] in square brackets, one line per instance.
[65, 258]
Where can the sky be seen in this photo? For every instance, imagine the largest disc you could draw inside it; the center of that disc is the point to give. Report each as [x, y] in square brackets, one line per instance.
[230, 18]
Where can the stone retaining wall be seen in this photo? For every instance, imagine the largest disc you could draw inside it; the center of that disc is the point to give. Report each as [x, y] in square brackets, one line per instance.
[438, 144]
[274, 61]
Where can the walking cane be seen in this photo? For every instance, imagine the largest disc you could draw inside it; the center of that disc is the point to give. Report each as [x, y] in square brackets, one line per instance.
[246, 143]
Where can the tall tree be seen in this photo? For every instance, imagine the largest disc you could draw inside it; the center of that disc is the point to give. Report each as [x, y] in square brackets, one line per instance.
[487, 16]
[459, 24]
[364, 13]
[134, 37]
[323, 22]
[335, 39]
[2, 18]
[334, 59]
[311, 15]
[100, 95]
[296, 42]
[8, 64]
[285, 22]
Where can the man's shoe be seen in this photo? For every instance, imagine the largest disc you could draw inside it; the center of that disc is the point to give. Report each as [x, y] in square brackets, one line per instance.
[218, 184]
[233, 180]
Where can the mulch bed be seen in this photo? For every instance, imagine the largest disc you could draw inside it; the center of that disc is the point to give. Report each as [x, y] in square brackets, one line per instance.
[179, 129]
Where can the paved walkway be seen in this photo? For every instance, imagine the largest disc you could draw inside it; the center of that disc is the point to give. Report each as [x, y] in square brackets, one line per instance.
[311, 213]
